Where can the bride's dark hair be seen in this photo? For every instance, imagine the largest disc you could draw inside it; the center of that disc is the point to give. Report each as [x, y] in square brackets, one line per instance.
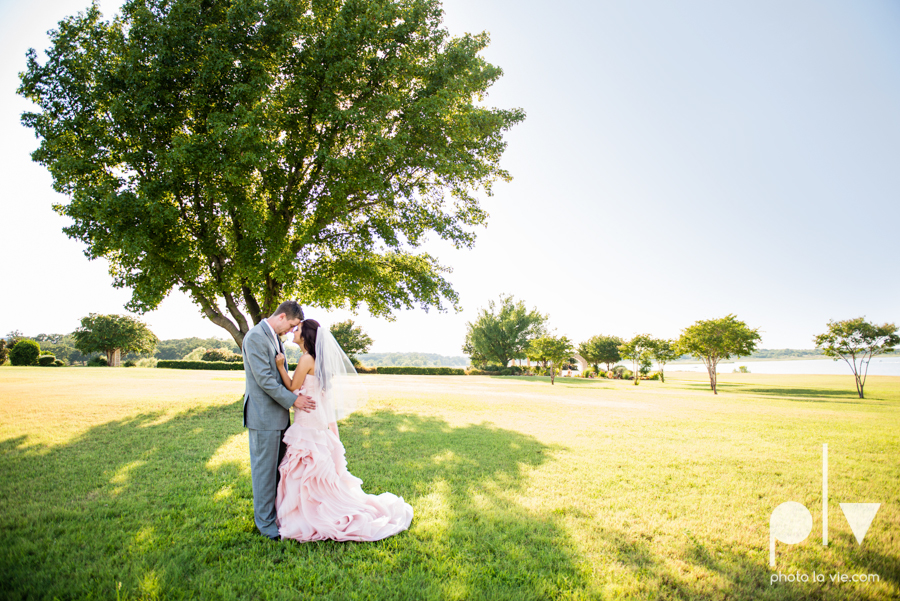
[308, 328]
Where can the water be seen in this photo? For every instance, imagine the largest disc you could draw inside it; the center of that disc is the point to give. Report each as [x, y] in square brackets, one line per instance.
[880, 366]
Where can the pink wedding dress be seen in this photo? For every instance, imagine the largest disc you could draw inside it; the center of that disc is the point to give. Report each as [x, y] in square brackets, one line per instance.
[317, 498]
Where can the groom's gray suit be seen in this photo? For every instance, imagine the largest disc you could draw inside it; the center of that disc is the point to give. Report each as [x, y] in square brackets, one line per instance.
[266, 415]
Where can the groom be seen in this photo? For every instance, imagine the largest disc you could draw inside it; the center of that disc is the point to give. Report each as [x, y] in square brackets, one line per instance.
[266, 404]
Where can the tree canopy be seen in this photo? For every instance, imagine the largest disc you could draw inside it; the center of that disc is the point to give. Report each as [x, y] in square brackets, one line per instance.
[352, 339]
[637, 350]
[251, 151]
[601, 349]
[662, 351]
[713, 340]
[501, 332]
[856, 341]
[553, 350]
[111, 333]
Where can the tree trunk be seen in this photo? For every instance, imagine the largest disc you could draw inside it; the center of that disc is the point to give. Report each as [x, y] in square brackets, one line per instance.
[711, 369]
[662, 376]
[859, 387]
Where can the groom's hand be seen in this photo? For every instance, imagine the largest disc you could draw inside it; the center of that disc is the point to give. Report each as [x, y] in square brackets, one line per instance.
[304, 403]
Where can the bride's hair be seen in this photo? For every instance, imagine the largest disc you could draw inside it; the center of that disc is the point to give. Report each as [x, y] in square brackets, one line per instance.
[308, 330]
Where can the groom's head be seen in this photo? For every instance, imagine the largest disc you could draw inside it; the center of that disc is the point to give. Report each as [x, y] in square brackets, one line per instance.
[288, 315]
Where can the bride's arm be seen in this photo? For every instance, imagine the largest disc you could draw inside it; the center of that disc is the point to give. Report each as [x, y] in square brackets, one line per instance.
[282, 370]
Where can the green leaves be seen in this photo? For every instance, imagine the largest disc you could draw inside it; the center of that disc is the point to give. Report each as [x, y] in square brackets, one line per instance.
[856, 341]
[713, 340]
[252, 151]
[501, 333]
[107, 333]
[555, 350]
[351, 337]
[601, 349]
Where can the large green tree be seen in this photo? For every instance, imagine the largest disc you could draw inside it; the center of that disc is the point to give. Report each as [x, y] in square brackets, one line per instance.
[552, 352]
[352, 339]
[856, 341]
[601, 349]
[637, 350]
[250, 151]
[501, 332]
[111, 333]
[713, 340]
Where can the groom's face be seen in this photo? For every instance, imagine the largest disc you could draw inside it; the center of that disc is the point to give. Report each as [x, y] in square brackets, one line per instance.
[283, 325]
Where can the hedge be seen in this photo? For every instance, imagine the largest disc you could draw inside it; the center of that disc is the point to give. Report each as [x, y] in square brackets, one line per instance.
[423, 371]
[220, 365]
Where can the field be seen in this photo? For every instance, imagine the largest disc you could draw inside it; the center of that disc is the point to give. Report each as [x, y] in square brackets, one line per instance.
[135, 484]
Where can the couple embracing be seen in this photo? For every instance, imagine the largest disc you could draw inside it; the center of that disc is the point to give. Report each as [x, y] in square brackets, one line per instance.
[301, 487]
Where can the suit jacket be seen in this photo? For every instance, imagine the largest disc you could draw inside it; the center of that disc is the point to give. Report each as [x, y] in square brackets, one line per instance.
[266, 400]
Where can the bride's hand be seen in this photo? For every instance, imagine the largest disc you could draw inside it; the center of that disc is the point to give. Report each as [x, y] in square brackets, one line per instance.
[279, 359]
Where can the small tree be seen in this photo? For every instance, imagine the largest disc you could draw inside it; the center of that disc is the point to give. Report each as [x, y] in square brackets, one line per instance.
[4, 351]
[352, 339]
[111, 333]
[856, 341]
[714, 340]
[25, 352]
[662, 352]
[601, 349]
[637, 350]
[501, 332]
[554, 351]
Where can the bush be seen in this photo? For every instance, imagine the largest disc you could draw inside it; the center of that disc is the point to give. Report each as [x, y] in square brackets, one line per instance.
[25, 352]
[423, 371]
[129, 363]
[98, 362]
[4, 351]
[45, 353]
[220, 354]
[46, 360]
[147, 362]
[59, 363]
[362, 369]
[216, 365]
[653, 376]
[195, 355]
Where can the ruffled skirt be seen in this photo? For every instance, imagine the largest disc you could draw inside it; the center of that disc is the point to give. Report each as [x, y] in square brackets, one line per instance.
[318, 499]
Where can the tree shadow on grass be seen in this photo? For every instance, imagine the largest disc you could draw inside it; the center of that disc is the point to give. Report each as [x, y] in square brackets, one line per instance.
[848, 397]
[164, 507]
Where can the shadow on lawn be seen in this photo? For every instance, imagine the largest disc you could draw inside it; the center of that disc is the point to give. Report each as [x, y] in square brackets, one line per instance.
[138, 502]
[847, 397]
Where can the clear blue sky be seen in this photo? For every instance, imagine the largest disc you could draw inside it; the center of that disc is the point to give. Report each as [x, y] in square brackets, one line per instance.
[680, 161]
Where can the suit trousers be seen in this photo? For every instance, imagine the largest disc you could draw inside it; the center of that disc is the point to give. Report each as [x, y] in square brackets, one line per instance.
[267, 449]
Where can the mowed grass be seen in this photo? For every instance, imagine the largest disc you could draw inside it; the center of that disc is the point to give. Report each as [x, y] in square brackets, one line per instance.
[135, 484]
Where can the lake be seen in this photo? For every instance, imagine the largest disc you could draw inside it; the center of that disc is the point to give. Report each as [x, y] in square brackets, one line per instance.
[880, 366]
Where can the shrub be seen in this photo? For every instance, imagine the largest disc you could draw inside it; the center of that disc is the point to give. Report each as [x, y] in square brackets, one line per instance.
[220, 354]
[4, 351]
[25, 352]
[653, 376]
[59, 363]
[147, 362]
[45, 353]
[362, 369]
[46, 360]
[129, 363]
[423, 371]
[216, 365]
[98, 362]
[196, 354]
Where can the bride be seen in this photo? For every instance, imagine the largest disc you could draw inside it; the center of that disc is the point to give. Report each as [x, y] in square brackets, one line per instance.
[317, 498]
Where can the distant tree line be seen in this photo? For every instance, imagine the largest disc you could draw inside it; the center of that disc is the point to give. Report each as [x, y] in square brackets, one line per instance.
[411, 360]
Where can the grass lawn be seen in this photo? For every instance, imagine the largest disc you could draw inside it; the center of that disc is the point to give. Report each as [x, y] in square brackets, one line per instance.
[135, 483]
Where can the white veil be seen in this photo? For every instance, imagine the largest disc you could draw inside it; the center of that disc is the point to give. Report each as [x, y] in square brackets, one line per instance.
[342, 391]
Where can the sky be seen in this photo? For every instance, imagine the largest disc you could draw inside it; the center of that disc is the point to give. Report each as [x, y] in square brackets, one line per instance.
[679, 161]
